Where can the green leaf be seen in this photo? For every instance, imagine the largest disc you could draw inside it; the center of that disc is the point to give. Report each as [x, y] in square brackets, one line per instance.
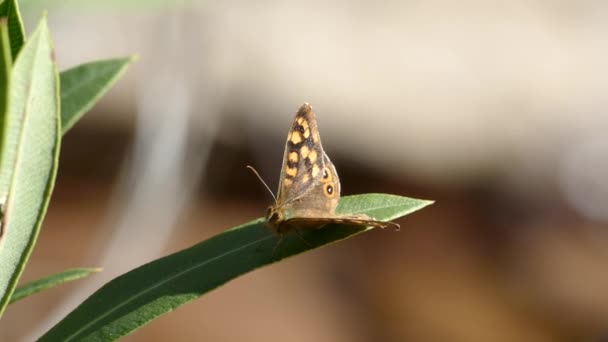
[135, 298]
[6, 169]
[51, 281]
[6, 62]
[8, 141]
[34, 103]
[10, 10]
[83, 85]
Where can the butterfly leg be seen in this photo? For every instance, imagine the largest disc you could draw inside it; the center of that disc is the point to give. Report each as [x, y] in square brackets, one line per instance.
[281, 237]
[302, 238]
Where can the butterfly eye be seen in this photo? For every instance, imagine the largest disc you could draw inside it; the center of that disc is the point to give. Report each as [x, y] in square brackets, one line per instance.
[329, 189]
[301, 129]
[274, 217]
[325, 174]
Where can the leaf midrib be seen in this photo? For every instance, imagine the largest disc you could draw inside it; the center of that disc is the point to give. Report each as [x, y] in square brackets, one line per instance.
[158, 284]
[16, 171]
[83, 83]
[383, 206]
[91, 79]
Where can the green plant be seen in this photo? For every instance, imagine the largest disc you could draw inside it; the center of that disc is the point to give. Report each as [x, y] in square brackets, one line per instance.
[37, 106]
[35, 99]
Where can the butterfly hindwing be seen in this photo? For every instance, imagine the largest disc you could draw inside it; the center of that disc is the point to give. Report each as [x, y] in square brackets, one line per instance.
[354, 220]
[322, 198]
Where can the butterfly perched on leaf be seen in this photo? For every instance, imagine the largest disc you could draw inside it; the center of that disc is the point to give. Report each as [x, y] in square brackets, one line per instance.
[309, 186]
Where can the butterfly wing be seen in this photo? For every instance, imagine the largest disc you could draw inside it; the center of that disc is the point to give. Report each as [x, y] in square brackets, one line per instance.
[348, 220]
[303, 159]
[322, 198]
[309, 186]
[317, 206]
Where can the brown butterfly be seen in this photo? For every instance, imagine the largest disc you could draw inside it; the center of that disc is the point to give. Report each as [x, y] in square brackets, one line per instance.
[309, 186]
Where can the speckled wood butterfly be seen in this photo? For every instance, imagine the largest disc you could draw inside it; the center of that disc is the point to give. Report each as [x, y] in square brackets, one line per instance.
[309, 186]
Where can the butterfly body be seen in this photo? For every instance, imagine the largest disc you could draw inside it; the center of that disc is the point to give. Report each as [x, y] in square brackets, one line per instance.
[309, 186]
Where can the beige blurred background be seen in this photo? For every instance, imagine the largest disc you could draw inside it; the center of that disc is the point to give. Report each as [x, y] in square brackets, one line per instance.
[496, 110]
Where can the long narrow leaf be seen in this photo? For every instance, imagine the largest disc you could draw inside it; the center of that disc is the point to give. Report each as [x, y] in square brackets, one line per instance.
[50, 281]
[9, 134]
[10, 10]
[5, 72]
[34, 98]
[135, 298]
[6, 62]
[6, 169]
[83, 85]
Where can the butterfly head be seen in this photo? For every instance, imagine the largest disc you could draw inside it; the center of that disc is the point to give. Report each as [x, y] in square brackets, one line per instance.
[275, 217]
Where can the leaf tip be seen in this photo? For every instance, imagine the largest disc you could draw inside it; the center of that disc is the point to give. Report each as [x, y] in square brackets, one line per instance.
[425, 203]
[44, 19]
[133, 58]
[42, 24]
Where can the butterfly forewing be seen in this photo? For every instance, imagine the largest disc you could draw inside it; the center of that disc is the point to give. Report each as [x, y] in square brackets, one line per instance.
[303, 161]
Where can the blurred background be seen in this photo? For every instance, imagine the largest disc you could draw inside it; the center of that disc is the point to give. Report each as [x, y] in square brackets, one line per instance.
[496, 110]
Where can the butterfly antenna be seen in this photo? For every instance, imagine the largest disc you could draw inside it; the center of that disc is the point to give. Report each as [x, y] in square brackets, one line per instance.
[261, 180]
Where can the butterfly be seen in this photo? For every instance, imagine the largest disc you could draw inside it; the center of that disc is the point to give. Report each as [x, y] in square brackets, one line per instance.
[309, 186]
